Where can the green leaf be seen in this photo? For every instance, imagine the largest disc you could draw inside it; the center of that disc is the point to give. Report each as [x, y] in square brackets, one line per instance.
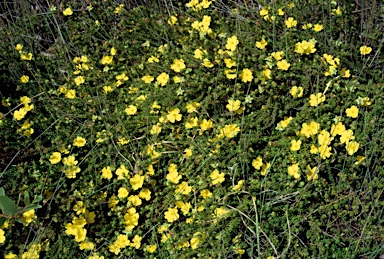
[20, 221]
[27, 200]
[2, 192]
[37, 199]
[32, 207]
[2, 221]
[8, 206]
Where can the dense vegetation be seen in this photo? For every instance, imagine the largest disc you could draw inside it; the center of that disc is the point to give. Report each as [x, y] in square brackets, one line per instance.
[203, 130]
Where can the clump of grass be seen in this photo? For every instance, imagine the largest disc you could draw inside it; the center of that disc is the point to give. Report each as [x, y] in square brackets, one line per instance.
[203, 130]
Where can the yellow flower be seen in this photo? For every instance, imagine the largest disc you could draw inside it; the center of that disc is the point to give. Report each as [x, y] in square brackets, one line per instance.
[266, 73]
[106, 173]
[324, 138]
[147, 79]
[183, 188]
[113, 51]
[19, 47]
[229, 62]
[172, 20]
[106, 60]
[178, 65]
[264, 11]
[67, 12]
[26, 56]
[122, 77]
[305, 47]
[137, 181]
[337, 11]
[20, 114]
[198, 53]
[156, 129]
[174, 115]
[87, 246]
[171, 215]
[296, 91]
[194, 242]
[277, 55]
[153, 59]
[10, 256]
[205, 194]
[79, 142]
[337, 129]
[352, 112]
[280, 12]
[70, 94]
[233, 105]
[72, 171]
[264, 168]
[257, 163]
[217, 177]
[295, 145]
[364, 50]
[193, 122]
[131, 110]
[151, 248]
[293, 170]
[346, 136]
[316, 99]
[79, 80]
[145, 194]
[317, 27]
[206, 63]
[352, 147]
[232, 43]
[24, 79]
[290, 22]
[173, 176]
[283, 65]
[135, 200]
[307, 26]
[359, 159]
[2, 237]
[122, 192]
[311, 172]
[55, 158]
[192, 107]
[325, 151]
[162, 79]
[28, 216]
[345, 73]
[206, 124]
[246, 75]
[107, 89]
[238, 185]
[230, 73]
[229, 131]
[261, 44]
[131, 219]
[188, 152]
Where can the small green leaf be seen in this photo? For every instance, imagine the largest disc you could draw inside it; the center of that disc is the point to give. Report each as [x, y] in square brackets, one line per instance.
[20, 221]
[27, 200]
[32, 207]
[2, 192]
[37, 199]
[2, 221]
[9, 206]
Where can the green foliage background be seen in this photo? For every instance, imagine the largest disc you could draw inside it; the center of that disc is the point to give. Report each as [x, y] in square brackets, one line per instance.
[339, 215]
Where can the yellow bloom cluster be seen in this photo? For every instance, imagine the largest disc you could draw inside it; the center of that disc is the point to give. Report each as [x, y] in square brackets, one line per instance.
[20, 113]
[305, 47]
[203, 26]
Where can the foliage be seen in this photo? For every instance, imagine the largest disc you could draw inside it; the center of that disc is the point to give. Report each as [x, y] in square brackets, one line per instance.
[199, 130]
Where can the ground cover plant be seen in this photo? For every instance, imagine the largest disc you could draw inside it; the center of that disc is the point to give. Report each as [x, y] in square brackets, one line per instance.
[196, 130]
